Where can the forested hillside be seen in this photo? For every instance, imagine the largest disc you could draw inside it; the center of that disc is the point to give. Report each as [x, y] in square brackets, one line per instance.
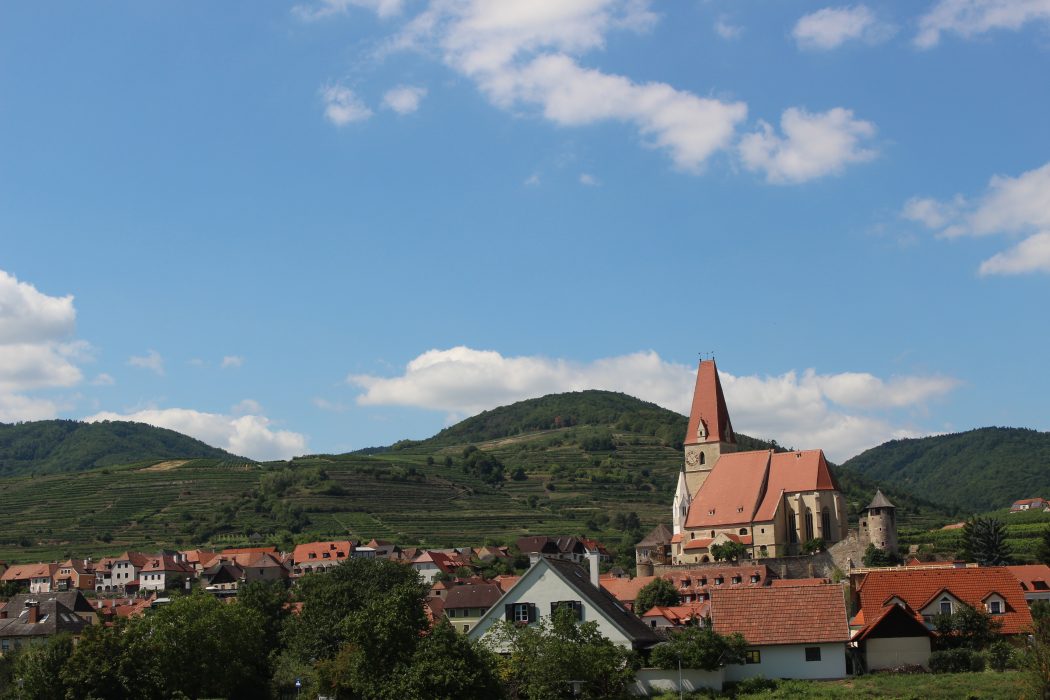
[51, 446]
[972, 472]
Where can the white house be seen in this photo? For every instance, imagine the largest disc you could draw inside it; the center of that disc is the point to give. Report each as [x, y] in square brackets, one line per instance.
[553, 583]
[792, 631]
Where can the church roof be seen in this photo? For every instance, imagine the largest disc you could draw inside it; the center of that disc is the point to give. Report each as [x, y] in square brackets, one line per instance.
[792, 472]
[730, 494]
[709, 406]
[880, 501]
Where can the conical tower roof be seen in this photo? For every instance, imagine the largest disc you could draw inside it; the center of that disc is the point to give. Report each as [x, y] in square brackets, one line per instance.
[880, 501]
[709, 408]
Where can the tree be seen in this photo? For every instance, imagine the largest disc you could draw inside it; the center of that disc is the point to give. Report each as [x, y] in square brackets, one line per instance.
[814, 545]
[270, 600]
[537, 661]
[658, 592]
[967, 628]
[39, 668]
[873, 556]
[447, 666]
[730, 551]
[1042, 552]
[699, 647]
[984, 542]
[1037, 656]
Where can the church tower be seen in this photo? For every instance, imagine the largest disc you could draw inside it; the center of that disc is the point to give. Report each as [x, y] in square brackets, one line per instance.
[710, 433]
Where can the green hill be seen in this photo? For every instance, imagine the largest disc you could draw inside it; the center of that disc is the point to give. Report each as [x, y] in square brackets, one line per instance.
[972, 472]
[51, 446]
[576, 463]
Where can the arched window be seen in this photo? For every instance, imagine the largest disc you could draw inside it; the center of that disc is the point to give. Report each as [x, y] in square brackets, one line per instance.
[825, 524]
[704, 559]
[743, 531]
[702, 458]
[792, 527]
[809, 525]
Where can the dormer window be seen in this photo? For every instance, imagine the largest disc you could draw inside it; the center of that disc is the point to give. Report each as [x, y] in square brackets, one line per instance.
[719, 580]
[737, 579]
[995, 607]
[703, 581]
[946, 606]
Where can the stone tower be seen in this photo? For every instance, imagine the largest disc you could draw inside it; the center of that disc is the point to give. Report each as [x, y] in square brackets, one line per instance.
[710, 433]
[878, 524]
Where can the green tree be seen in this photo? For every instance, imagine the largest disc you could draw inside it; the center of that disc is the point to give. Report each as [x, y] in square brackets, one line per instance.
[659, 591]
[318, 632]
[1042, 552]
[1037, 656]
[270, 600]
[699, 647]
[538, 661]
[967, 627]
[984, 542]
[730, 551]
[873, 556]
[39, 668]
[447, 666]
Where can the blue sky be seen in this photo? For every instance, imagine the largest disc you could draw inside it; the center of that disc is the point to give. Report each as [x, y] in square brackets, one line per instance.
[323, 225]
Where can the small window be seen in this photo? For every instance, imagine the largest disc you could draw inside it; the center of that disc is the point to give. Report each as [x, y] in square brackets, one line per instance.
[752, 656]
[719, 580]
[737, 579]
[703, 581]
[812, 653]
[754, 578]
[743, 531]
[466, 628]
[522, 612]
[452, 613]
[995, 607]
[946, 606]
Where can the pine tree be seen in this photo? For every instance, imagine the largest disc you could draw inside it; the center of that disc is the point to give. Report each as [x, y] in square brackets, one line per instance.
[984, 542]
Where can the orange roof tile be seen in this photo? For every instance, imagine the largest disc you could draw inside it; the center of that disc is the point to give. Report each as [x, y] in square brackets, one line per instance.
[709, 406]
[676, 538]
[322, 551]
[730, 494]
[792, 472]
[626, 590]
[679, 614]
[918, 587]
[1032, 577]
[702, 543]
[800, 615]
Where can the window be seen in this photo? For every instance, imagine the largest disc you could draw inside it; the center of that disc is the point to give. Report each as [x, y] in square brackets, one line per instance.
[792, 527]
[743, 531]
[521, 612]
[812, 653]
[703, 580]
[466, 628]
[702, 458]
[754, 578]
[574, 605]
[825, 524]
[736, 579]
[809, 525]
[719, 580]
[995, 607]
[946, 606]
[452, 613]
[752, 656]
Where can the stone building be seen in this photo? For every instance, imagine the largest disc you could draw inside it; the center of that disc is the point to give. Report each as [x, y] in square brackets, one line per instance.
[878, 524]
[770, 502]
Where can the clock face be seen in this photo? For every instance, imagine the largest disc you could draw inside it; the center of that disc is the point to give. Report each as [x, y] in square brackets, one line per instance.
[692, 459]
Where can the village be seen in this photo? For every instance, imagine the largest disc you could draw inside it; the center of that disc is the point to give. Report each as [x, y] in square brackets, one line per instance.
[758, 546]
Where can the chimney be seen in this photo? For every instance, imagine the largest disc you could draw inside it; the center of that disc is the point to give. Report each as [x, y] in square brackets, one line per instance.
[34, 613]
[592, 557]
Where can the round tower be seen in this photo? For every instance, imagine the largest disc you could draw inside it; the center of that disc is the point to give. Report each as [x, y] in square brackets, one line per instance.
[878, 523]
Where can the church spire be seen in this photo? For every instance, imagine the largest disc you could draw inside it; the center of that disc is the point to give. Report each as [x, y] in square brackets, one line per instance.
[709, 417]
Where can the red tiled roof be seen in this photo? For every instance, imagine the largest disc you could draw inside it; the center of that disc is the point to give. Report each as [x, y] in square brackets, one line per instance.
[801, 615]
[246, 550]
[894, 610]
[709, 406]
[24, 572]
[137, 559]
[1032, 577]
[918, 587]
[166, 563]
[506, 582]
[679, 614]
[626, 590]
[676, 538]
[730, 494]
[322, 551]
[698, 544]
[790, 582]
[792, 472]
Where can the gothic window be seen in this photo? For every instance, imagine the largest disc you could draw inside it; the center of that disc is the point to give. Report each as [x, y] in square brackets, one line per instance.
[792, 527]
[809, 525]
[825, 524]
[702, 460]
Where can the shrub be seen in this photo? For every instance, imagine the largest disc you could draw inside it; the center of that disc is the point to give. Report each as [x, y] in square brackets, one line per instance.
[956, 661]
[758, 684]
[1000, 655]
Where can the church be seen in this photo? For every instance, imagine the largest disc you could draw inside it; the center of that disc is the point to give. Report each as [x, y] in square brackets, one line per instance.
[771, 502]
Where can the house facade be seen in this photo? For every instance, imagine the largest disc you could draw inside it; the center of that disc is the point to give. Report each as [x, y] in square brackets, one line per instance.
[792, 631]
[466, 604]
[770, 502]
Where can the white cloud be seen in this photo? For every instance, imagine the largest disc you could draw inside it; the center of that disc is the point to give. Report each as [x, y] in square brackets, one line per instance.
[968, 18]
[36, 349]
[589, 180]
[831, 27]
[103, 379]
[404, 99]
[322, 9]
[248, 435]
[807, 410]
[1030, 255]
[523, 53]
[248, 407]
[1010, 205]
[152, 361]
[232, 361]
[727, 30]
[812, 145]
[532, 180]
[342, 106]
